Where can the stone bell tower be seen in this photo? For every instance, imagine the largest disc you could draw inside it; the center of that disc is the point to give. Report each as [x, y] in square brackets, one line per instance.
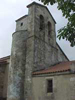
[33, 48]
[45, 51]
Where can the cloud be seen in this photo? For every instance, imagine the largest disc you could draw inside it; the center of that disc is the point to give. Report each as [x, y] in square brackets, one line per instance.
[12, 1]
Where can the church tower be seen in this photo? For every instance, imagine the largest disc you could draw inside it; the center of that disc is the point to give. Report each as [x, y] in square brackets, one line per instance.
[45, 51]
[33, 48]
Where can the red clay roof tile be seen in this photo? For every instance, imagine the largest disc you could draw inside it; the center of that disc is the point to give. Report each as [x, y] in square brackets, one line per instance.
[4, 59]
[64, 66]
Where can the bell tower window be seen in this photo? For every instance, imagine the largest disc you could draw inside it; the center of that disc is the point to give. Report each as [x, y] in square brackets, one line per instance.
[49, 29]
[41, 22]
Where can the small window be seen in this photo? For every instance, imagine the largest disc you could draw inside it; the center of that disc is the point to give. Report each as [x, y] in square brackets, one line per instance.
[21, 24]
[41, 22]
[49, 86]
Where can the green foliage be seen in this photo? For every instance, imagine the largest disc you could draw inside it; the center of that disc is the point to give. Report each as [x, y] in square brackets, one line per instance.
[68, 9]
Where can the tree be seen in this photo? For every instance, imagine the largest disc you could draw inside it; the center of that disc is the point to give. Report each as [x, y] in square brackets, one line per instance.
[68, 9]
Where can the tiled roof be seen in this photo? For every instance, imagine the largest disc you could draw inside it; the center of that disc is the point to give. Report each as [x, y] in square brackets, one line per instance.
[61, 67]
[4, 60]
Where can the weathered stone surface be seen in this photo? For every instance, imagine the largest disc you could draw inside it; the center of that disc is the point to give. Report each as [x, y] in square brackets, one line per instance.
[28, 69]
[3, 80]
[22, 24]
[17, 66]
[32, 50]
[63, 87]
[61, 55]
[5, 83]
[2, 71]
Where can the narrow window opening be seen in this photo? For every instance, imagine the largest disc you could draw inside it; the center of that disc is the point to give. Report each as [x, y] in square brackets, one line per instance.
[49, 86]
[49, 29]
[21, 24]
[41, 22]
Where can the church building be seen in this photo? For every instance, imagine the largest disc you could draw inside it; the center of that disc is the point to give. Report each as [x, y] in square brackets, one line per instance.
[37, 68]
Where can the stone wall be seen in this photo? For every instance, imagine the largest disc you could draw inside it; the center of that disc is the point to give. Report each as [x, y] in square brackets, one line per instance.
[3, 80]
[32, 49]
[63, 87]
[17, 66]
[46, 52]
[61, 54]
[22, 23]
[42, 10]
[2, 71]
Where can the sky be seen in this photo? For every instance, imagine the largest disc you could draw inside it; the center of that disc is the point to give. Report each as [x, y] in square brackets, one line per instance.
[11, 10]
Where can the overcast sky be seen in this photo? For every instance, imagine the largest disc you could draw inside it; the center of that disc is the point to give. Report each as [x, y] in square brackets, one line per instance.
[10, 10]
